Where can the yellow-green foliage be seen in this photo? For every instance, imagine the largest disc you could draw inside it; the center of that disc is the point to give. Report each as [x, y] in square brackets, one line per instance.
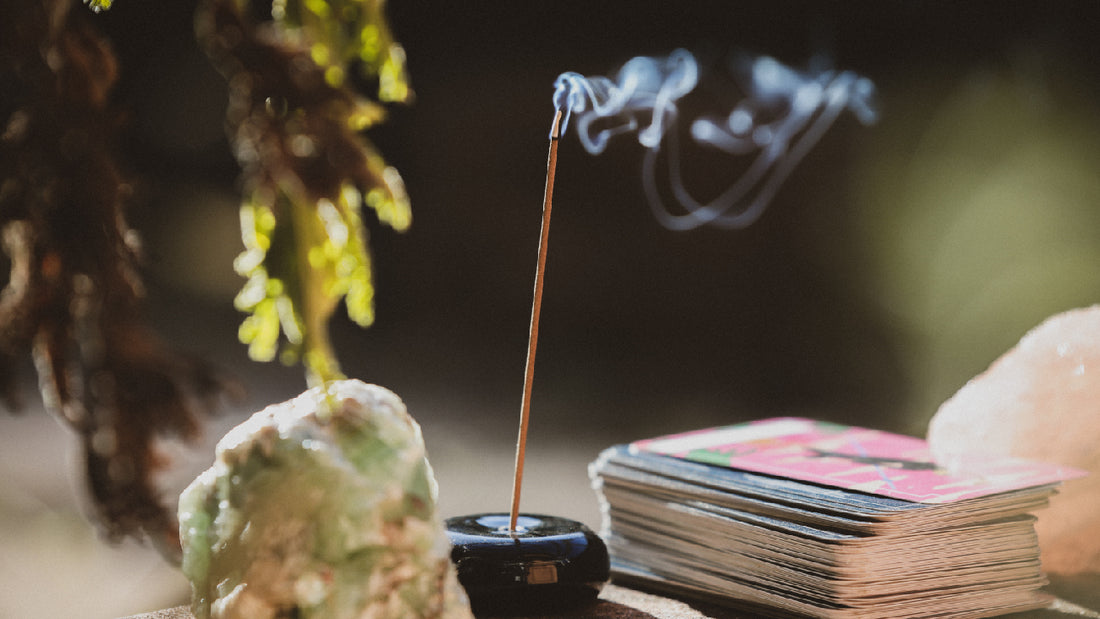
[297, 273]
[309, 171]
[98, 5]
[306, 169]
[341, 33]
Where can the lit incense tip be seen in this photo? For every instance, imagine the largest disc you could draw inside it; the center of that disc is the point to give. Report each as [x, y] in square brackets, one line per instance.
[555, 129]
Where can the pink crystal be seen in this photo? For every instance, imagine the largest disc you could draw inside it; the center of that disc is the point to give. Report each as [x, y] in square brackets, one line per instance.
[1040, 400]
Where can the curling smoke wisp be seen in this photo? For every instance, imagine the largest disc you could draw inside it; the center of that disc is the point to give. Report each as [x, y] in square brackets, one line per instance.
[783, 114]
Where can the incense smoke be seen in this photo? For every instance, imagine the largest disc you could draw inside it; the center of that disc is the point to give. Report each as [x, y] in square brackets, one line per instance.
[784, 113]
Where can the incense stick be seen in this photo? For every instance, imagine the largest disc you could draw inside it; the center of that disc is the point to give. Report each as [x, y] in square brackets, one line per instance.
[536, 309]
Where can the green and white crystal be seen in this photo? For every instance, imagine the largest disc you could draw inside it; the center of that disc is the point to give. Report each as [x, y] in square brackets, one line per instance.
[322, 507]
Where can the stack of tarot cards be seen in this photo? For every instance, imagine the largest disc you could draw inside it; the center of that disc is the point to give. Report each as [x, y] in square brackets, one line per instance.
[798, 517]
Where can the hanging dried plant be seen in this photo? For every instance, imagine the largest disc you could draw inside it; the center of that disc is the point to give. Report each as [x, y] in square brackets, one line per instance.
[74, 294]
[73, 298]
[295, 124]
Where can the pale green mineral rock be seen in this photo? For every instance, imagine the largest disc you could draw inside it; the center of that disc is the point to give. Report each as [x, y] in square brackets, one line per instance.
[320, 508]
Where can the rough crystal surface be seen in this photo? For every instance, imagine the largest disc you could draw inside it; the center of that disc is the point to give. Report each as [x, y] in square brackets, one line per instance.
[1040, 400]
[321, 507]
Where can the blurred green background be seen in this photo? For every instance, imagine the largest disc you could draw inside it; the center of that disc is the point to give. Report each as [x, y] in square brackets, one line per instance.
[897, 262]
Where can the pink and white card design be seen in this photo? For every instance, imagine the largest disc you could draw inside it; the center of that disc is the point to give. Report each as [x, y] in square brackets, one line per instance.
[852, 458]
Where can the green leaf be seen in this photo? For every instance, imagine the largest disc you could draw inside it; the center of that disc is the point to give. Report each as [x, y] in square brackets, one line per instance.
[98, 5]
[310, 172]
[345, 32]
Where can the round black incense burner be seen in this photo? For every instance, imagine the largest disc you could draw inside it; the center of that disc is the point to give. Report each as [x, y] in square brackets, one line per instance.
[547, 563]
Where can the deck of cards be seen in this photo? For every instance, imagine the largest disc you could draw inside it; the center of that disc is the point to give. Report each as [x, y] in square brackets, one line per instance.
[793, 516]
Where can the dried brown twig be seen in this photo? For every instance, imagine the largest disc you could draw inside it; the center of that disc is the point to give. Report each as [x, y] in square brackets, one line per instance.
[73, 299]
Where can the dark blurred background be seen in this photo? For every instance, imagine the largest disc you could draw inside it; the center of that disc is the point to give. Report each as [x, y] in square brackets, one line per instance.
[897, 261]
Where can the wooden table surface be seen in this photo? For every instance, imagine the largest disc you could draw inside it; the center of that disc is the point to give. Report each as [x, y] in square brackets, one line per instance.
[1078, 596]
[614, 603]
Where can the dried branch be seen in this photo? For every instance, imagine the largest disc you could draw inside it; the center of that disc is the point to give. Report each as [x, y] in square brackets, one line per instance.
[295, 126]
[73, 299]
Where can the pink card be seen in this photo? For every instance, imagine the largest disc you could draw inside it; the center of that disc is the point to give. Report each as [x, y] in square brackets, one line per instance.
[853, 458]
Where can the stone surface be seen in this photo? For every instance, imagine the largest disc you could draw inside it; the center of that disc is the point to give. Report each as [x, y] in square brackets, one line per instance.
[320, 507]
[1040, 400]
